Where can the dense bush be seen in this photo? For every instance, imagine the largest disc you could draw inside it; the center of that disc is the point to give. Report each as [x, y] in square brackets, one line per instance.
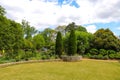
[117, 56]
[94, 51]
[103, 52]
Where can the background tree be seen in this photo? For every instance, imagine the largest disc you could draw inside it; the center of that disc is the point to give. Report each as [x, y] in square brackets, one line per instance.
[59, 46]
[83, 41]
[11, 35]
[70, 27]
[105, 39]
[38, 41]
[28, 30]
[80, 28]
[72, 44]
[2, 11]
[49, 37]
[61, 29]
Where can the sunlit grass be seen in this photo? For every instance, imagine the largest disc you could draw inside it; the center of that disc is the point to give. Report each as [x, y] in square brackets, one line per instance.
[83, 70]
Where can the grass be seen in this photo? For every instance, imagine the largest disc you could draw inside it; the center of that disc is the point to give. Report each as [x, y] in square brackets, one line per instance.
[83, 70]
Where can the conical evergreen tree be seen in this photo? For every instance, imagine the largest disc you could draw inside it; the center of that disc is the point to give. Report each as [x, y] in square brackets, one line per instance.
[58, 46]
[72, 44]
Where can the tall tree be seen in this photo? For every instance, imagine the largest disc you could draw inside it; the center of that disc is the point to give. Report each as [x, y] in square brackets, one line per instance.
[28, 30]
[70, 27]
[61, 29]
[11, 35]
[72, 44]
[2, 11]
[59, 46]
[105, 39]
[38, 41]
[49, 35]
[83, 41]
[81, 28]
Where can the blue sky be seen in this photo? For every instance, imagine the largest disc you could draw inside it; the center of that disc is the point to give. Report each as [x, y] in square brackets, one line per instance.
[93, 14]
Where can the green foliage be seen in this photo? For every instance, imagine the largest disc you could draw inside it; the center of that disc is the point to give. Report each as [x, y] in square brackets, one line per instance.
[59, 46]
[70, 27]
[111, 52]
[61, 29]
[103, 52]
[28, 30]
[72, 43]
[49, 35]
[38, 41]
[19, 41]
[27, 45]
[94, 51]
[2, 11]
[104, 38]
[83, 41]
[65, 42]
[11, 35]
[81, 28]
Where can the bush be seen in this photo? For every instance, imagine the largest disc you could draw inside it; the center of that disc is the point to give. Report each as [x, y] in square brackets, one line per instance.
[117, 56]
[105, 57]
[88, 55]
[94, 51]
[4, 60]
[111, 52]
[112, 56]
[103, 52]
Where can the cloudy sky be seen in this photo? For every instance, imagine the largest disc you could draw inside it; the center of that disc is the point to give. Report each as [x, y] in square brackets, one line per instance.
[93, 14]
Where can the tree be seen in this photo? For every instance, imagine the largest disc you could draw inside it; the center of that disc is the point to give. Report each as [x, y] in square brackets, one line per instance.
[11, 36]
[72, 44]
[73, 26]
[105, 39]
[61, 29]
[83, 41]
[28, 30]
[49, 35]
[81, 28]
[38, 41]
[2, 11]
[70, 27]
[58, 46]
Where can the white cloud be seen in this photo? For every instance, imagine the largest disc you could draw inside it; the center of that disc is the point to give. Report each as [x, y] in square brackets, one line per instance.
[42, 14]
[118, 28]
[91, 28]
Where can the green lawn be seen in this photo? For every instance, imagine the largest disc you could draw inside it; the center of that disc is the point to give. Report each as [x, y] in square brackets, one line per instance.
[83, 70]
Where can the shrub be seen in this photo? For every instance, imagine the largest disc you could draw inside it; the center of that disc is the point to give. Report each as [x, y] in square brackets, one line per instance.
[100, 56]
[117, 56]
[111, 52]
[94, 51]
[88, 55]
[112, 56]
[103, 52]
[105, 57]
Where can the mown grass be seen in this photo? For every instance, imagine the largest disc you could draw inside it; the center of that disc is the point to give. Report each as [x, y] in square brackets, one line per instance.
[83, 70]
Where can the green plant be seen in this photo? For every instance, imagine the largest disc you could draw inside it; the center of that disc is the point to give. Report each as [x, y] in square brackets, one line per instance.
[94, 51]
[72, 43]
[59, 45]
[103, 52]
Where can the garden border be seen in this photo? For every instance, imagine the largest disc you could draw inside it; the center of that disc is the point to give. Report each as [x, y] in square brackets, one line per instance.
[30, 61]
